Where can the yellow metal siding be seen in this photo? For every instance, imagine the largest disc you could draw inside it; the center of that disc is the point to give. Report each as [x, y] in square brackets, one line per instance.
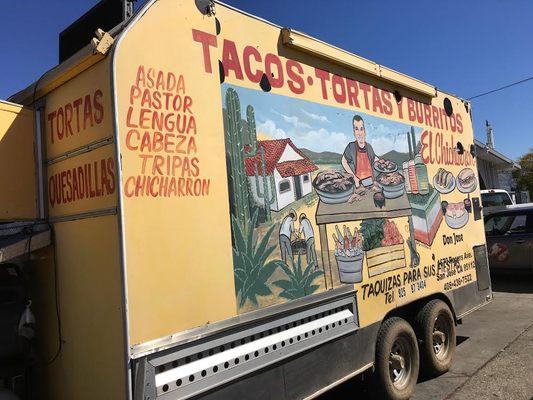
[91, 363]
[18, 199]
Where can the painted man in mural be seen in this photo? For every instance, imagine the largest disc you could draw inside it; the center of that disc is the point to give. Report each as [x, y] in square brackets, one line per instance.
[285, 234]
[359, 157]
[306, 230]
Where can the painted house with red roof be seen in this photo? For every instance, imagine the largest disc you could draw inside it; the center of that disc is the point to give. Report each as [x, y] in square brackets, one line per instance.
[290, 168]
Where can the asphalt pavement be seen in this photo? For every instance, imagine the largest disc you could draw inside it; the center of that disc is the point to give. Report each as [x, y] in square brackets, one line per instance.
[494, 356]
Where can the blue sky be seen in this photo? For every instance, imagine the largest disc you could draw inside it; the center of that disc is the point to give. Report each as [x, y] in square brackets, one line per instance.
[317, 127]
[462, 47]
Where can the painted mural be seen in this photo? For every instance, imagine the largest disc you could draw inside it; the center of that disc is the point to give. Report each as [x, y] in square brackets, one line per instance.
[321, 196]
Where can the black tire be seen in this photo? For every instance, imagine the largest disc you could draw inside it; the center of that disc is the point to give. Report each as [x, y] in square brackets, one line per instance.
[397, 360]
[435, 328]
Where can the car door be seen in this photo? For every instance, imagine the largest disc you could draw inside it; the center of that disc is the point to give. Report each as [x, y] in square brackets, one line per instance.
[509, 241]
[530, 238]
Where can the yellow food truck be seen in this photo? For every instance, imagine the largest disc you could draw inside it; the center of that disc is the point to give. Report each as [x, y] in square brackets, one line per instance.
[208, 205]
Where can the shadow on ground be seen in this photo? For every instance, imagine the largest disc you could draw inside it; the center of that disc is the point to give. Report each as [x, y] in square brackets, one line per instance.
[512, 282]
[359, 387]
[356, 388]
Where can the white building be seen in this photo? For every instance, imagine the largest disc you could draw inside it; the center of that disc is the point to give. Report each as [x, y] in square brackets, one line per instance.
[290, 168]
[494, 168]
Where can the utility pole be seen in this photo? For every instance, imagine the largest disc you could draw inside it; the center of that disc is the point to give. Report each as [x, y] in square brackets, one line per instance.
[490, 135]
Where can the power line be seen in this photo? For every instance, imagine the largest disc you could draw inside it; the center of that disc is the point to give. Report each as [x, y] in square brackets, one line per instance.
[501, 88]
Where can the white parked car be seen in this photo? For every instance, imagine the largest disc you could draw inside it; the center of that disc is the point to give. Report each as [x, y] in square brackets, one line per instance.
[496, 197]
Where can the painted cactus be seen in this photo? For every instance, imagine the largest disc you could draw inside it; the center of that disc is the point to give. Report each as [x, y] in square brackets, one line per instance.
[252, 134]
[268, 194]
[242, 142]
[236, 154]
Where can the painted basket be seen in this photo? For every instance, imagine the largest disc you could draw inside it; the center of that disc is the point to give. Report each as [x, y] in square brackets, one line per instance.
[350, 268]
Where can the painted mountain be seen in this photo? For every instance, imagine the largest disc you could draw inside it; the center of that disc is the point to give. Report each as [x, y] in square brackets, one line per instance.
[329, 157]
[396, 157]
[324, 157]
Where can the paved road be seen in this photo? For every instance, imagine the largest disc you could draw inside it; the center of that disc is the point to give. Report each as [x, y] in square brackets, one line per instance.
[494, 358]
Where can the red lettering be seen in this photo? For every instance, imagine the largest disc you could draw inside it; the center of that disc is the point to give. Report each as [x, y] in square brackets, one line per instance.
[387, 102]
[324, 77]
[339, 90]
[295, 81]
[68, 119]
[207, 40]
[51, 117]
[87, 112]
[435, 114]
[353, 92]
[411, 110]
[98, 107]
[425, 147]
[275, 79]
[427, 115]
[77, 104]
[459, 123]
[248, 52]
[60, 123]
[366, 89]
[376, 101]
[230, 59]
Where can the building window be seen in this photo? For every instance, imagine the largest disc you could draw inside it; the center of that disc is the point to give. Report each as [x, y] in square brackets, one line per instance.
[284, 186]
[306, 178]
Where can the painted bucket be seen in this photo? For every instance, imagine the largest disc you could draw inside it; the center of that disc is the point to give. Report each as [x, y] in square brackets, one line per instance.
[350, 268]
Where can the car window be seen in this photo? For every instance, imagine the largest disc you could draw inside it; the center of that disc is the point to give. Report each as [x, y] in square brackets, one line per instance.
[495, 199]
[506, 224]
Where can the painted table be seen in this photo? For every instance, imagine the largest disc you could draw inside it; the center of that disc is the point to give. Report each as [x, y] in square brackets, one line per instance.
[358, 211]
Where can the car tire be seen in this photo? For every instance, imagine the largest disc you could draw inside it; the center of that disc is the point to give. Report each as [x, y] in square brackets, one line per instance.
[397, 360]
[435, 326]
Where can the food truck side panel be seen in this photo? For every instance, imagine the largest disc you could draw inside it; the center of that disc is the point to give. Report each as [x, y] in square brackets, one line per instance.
[176, 217]
[235, 156]
[410, 233]
[287, 117]
[19, 199]
[80, 186]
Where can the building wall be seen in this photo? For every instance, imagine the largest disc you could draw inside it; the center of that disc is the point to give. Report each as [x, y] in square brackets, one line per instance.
[285, 198]
[488, 173]
[306, 186]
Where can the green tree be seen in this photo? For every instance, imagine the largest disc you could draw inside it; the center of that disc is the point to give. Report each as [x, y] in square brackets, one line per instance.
[524, 177]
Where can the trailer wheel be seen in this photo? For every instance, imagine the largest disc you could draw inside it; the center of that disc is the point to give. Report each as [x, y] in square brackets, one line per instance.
[397, 360]
[436, 330]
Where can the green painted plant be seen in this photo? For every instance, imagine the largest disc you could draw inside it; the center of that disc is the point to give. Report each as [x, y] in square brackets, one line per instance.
[300, 282]
[372, 231]
[268, 194]
[241, 142]
[236, 154]
[251, 269]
